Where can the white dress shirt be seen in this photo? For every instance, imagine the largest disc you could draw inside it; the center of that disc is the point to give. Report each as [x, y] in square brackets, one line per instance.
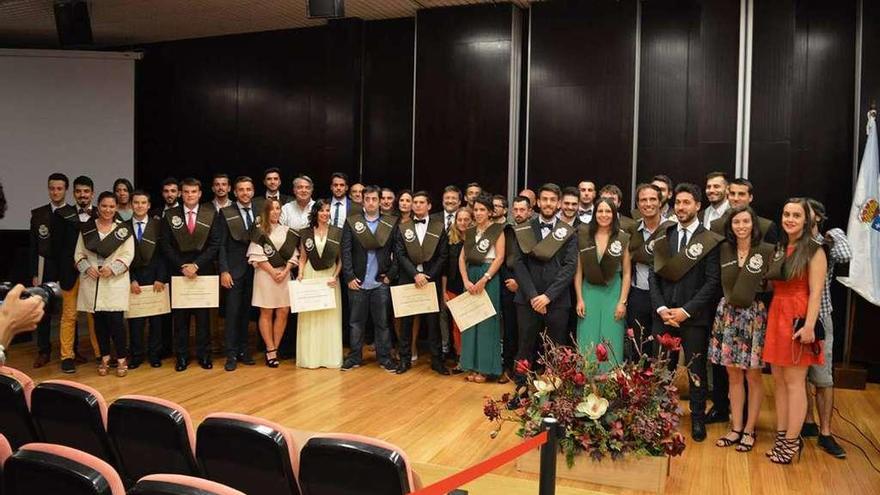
[294, 216]
[545, 231]
[688, 233]
[713, 213]
[643, 271]
[340, 215]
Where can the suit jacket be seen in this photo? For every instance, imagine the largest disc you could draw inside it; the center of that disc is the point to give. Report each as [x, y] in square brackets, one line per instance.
[697, 291]
[65, 228]
[552, 278]
[354, 257]
[259, 201]
[40, 242]
[203, 258]
[156, 270]
[232, 254]
[434, 268]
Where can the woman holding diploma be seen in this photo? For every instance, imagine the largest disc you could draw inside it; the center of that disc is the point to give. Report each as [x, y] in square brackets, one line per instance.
[104, 251]
[273, 253]
[602, 278]
[319, 333]
[481, 257]
[452, 284]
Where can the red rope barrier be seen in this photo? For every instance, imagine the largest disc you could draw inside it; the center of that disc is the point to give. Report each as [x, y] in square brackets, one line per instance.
[446, 485]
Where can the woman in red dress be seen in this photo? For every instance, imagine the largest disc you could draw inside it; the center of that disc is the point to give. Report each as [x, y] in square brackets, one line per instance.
[791, 351]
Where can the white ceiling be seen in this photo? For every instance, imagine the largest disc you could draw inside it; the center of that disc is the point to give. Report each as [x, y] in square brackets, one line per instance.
[127, 22]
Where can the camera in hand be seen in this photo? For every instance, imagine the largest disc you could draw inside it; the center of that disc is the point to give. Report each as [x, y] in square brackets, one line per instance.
[49, 292]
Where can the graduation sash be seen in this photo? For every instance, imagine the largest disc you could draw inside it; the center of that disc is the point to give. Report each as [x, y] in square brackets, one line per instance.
[236, 223]
[106, 246]
[510, 254]
[547, 248]
[741, 283]
[41, 219]
[420, 253]
[278, 256]
[601, 272]
[187, 242]
[146, 247]
[719, 223]
[68, 213]
[779, 266]
[331, 248]
[673, 266]
[475, 252]
[641, 250]
[365, 237]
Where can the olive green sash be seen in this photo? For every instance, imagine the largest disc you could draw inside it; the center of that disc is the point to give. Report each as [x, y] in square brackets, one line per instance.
[779, 267]
[41, 219]
[278, 256]
[601, 272]
[187, 242]
[719, 223]
[106, 246]
[641, 250]
[327, 257]
[673, 266]
[547, 248]
[68, 212]
[475, 252]
[741, 283]
[420, 253]
[146, 247]
[365, 237]
[236, 223]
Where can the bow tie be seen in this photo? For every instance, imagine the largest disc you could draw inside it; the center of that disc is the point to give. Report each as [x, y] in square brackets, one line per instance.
[84, 210]
[586, 212]
[548, 226]
[424, 220]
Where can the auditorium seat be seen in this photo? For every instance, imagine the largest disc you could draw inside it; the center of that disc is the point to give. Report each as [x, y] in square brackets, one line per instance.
[15, 403]
[5, 452]
[248, 453]
[371, 467]
[150, 436]
[176, 484]
[72, 414]
[42, 468]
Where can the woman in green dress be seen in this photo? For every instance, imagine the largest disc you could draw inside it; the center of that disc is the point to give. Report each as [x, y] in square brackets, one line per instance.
[602, 279]
[480, 259]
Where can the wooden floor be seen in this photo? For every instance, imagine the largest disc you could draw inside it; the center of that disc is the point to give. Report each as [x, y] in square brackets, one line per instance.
[439, 422]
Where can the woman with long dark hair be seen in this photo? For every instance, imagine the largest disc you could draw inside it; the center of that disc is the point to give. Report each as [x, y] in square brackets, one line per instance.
[122, 189]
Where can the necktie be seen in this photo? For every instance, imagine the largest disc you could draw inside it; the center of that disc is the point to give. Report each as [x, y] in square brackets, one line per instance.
[449, 217]
[191, 221]
[248, 220]
[336, 213]
[420, 221]
[682, 240]
[140, 231]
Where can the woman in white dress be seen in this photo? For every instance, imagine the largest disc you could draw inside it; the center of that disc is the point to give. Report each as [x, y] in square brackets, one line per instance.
[103, 253]
[319, 333]
[273, 253]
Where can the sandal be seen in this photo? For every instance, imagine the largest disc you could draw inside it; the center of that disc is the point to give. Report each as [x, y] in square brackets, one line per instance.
[121, 367]
[727, 442]
[273, 361]
[785, 451]
[478, 378]
[745, 446]
[103, 366]
[780, 436]
[470, 376]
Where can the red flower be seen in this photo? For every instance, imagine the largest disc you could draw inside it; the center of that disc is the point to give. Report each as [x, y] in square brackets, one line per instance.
[601, 353]
[669, 342]
[579, 378]
[523, 366]
[490, 410]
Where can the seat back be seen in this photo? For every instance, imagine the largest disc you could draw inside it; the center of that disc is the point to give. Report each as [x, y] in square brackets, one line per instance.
[371, 466]
[15, 413]
[5, 452]
[150, 436]
[45, 468]
[247, 453]
[72, 414]
[175, 484]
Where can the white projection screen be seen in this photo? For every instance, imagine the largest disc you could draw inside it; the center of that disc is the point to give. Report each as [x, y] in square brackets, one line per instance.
[63, 111]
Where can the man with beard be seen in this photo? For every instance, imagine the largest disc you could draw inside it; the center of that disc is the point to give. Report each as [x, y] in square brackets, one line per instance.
[220, 188]
[499, 209]
[568, 211]
[716, 194]
[272, 183]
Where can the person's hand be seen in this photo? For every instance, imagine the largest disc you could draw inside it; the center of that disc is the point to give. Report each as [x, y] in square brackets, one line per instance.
[277, 275]
[447, 297]
[355, 284]
[511, 285]
[105, 271]
[620, 311]
[17, 314]
[677, 315]
[35, 281]
[226, 280]
[189, 270]
[477, 287]
[92, 273]
[807, 335]
[420, 280]
[386, 280]
[135, 288]
[581, 309]
[540, 303]
[158, 286]
[332, 282]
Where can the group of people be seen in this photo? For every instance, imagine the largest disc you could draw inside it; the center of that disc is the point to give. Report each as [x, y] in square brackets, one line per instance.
[695, 263]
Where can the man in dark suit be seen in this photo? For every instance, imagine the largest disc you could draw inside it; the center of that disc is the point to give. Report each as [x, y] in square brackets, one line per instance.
[190, 241]
[170, 197]
[522, 213]
[65, 228]
[684, 291]
[236, 225]
[568, 207]
[367, 242]
[148, 268]
[272, 181]
[420, 248]
[40, 257]
[544, 266]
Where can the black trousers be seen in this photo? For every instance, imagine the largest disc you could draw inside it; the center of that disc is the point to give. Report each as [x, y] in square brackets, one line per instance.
[721, 389]
[510, 341]
[136, 328]
[695, 341]
[43, 331]
[531, 324]
[110, 325]
[431, 321]
[181, 332]
[238, 314]
[639, 317]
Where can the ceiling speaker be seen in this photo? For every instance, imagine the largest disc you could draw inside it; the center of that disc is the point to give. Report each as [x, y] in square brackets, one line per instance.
[325, 9]
[73, 23]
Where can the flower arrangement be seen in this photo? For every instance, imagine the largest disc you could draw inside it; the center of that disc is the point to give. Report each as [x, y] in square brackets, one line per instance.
[603, 407]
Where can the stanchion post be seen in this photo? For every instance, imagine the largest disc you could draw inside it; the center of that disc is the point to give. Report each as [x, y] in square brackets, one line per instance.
[547, 476]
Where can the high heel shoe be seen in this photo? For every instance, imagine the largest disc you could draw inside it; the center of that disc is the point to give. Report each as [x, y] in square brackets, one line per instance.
[121, 367]
[727, 442]
[780, 436]
[747, 447]
[784, 453]
[273, 361]
[103, 366]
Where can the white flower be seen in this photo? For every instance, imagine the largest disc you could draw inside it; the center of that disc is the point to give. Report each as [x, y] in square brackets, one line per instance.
[594, 406]
[545, 387]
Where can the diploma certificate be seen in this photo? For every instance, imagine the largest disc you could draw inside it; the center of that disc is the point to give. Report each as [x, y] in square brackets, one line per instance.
[148, 303]
[468, 309]
[200, 292]
[409, 300]
[311, 295]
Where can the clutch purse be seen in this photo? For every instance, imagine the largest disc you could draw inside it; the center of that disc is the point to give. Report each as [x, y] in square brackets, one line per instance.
[819, 329]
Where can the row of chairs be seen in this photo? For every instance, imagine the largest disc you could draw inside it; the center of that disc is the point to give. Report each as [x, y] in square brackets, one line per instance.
[139, 437]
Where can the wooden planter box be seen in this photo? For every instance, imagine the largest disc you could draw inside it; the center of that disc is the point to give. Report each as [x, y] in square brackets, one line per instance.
[637, 473]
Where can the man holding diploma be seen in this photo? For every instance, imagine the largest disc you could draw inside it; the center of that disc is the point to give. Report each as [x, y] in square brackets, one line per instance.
[420, 248]
[190, 241]
[147, 268]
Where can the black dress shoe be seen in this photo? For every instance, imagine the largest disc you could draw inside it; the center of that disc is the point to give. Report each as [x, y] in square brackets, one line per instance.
[135, 362]
[698, 430]
[404, 366]
[230, 364]
[440, 369]
[206, 363]
[181, 365]
[717, 416]
[155, 363]
[246, 359]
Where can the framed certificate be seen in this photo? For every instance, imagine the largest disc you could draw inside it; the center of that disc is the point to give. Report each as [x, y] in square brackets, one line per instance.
[468, 309]
[200, 292]
[148, 303]
[409, 300]
[311, 295]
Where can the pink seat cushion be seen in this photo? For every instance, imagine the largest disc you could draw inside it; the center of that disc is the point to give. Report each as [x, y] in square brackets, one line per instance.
[102, 404]
[5, 450]
[106, 470]
[26, 383]
[190, 431]
[198, 483]
[415, 482]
